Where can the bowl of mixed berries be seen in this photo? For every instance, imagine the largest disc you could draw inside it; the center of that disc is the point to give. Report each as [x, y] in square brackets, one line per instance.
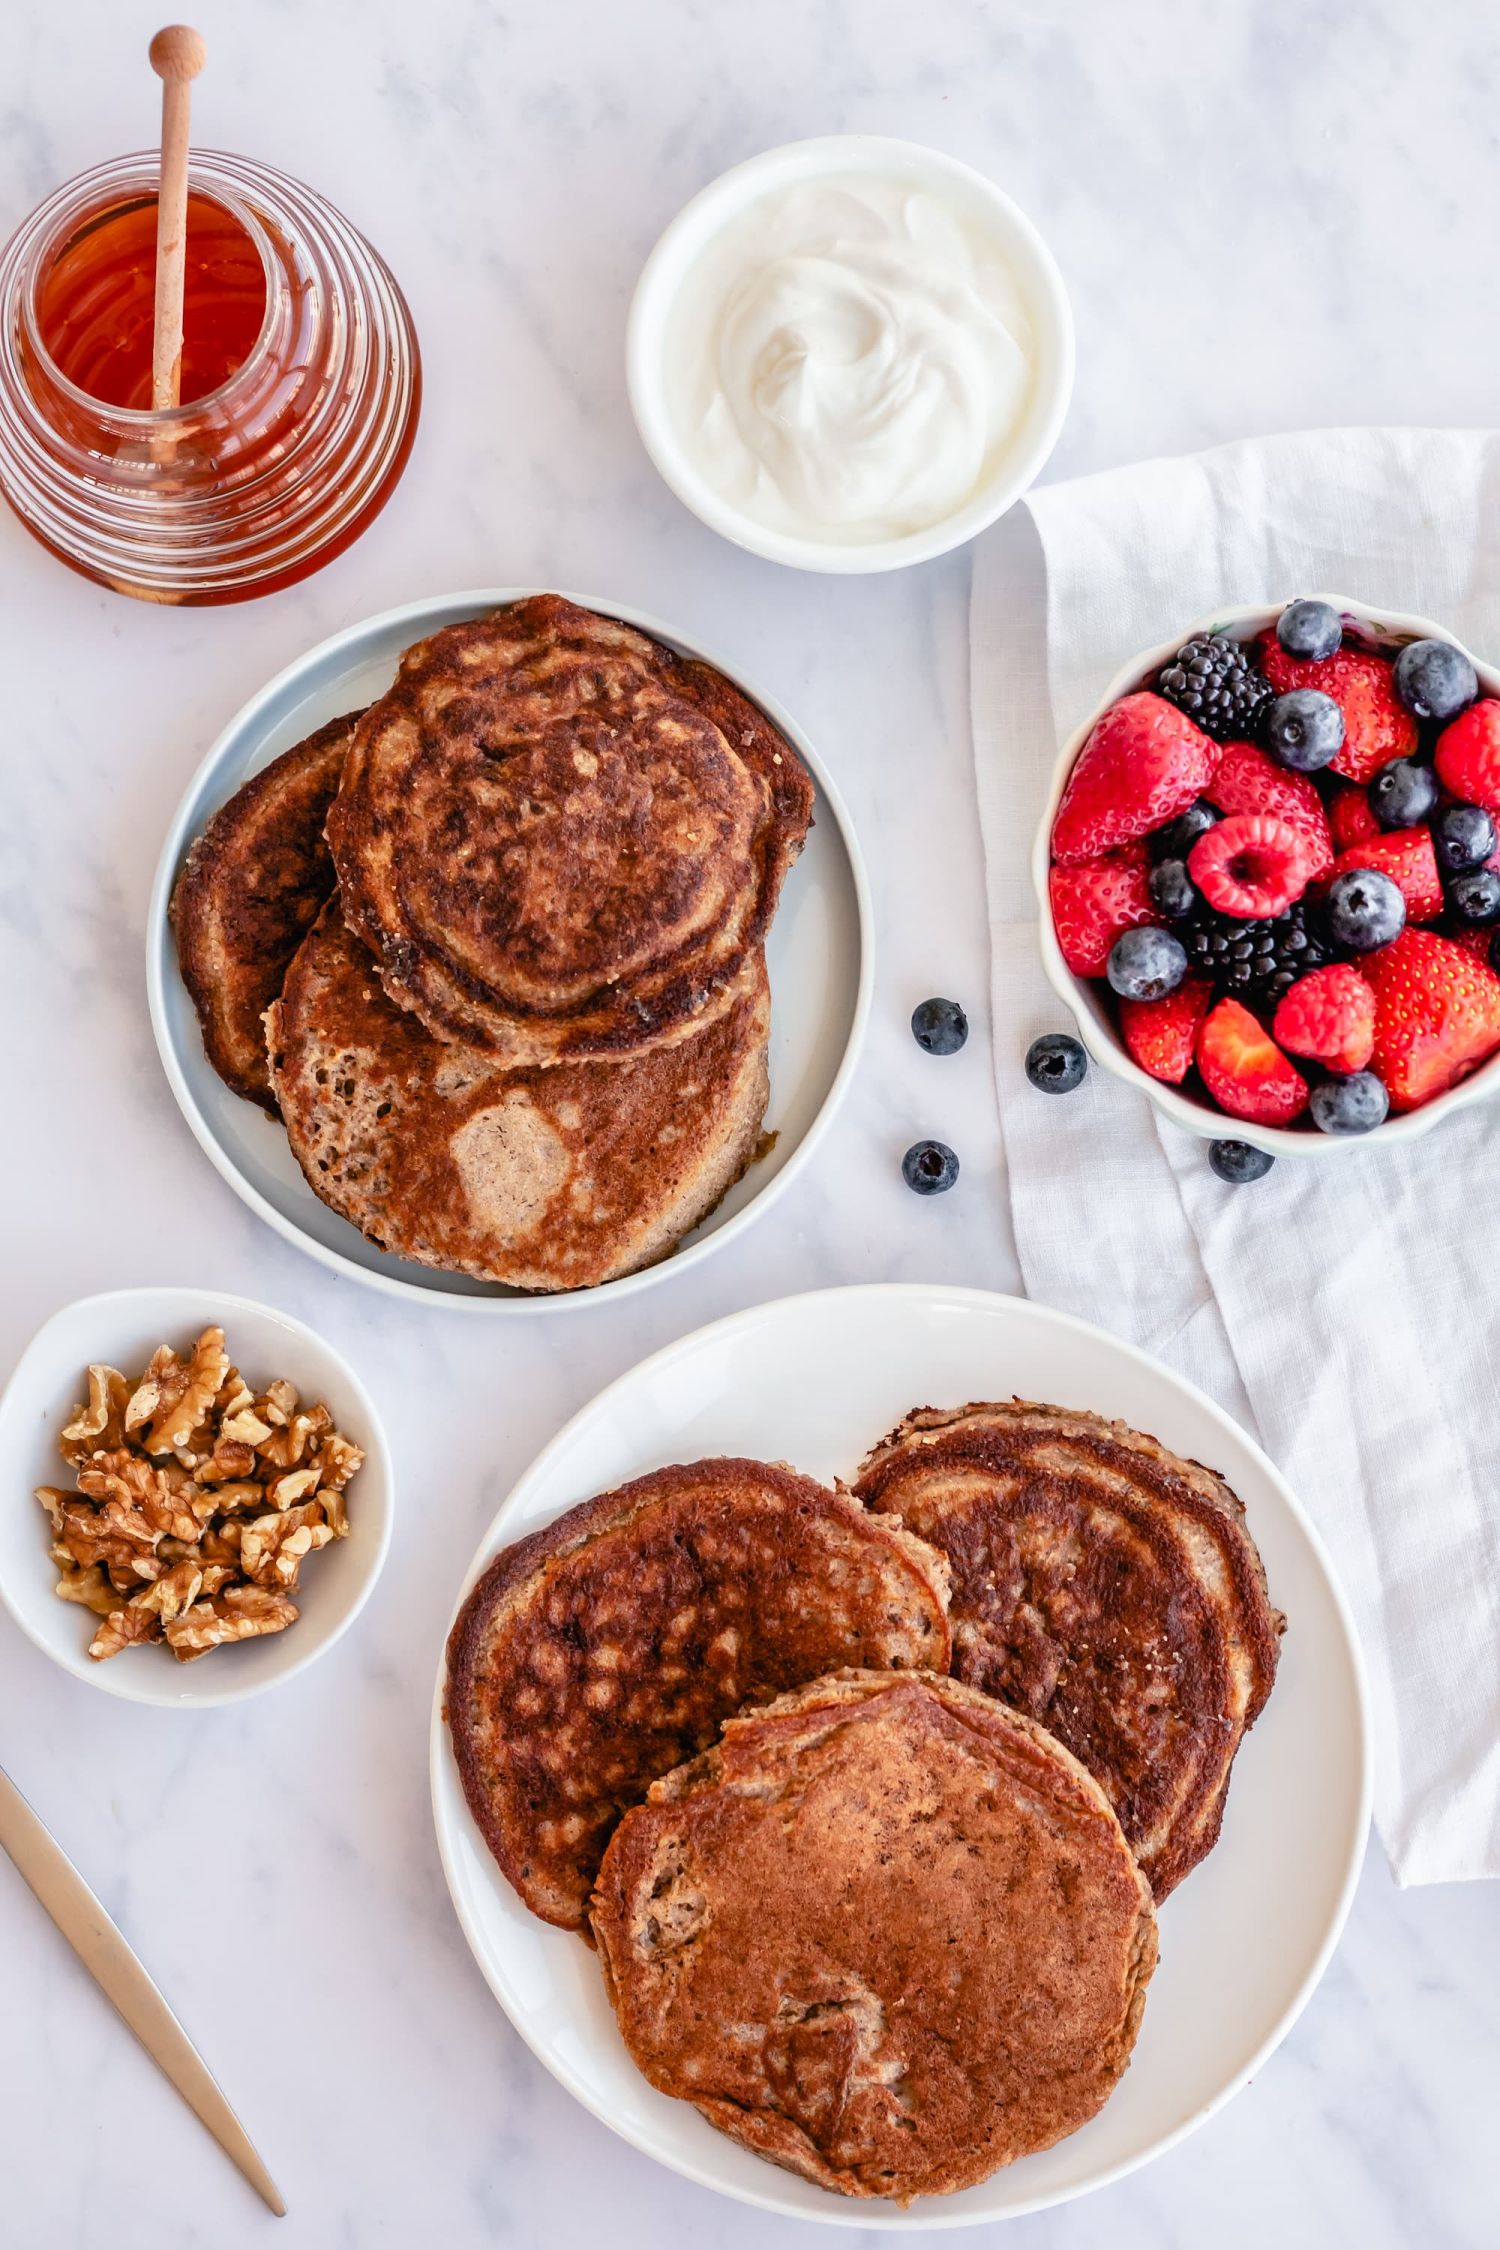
[1269, 876]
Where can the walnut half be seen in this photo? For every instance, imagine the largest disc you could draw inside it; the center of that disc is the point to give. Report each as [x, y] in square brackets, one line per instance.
[196, 1501]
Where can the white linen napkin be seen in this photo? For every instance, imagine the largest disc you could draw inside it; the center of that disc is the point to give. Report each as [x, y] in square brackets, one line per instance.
[1348, 1312]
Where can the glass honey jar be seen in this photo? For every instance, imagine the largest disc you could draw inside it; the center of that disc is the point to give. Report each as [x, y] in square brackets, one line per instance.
[301, 383]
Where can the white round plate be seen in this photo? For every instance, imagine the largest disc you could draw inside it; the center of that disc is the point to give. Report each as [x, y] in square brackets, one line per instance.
[816, 1380]
[820, 957]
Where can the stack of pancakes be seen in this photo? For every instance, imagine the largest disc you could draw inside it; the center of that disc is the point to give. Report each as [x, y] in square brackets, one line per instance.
[493, 949]
[866, 1796]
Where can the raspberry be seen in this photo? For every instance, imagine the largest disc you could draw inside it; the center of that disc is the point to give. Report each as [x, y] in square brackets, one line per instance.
[1252, 864]
[1329, 1016]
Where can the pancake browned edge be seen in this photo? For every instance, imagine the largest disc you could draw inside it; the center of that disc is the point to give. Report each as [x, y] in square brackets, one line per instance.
[559, 840]
[601, 1652]
[887, 1933]
[545, 1179]
[249, 892]
[1104, 1586]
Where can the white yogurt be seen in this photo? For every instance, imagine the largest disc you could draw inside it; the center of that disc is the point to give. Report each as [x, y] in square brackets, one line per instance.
[848, 359]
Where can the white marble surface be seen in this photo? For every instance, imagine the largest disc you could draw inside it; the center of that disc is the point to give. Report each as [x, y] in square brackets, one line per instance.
[1269, 215]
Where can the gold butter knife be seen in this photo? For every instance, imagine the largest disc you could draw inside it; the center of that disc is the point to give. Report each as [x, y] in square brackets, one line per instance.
[45, 1866]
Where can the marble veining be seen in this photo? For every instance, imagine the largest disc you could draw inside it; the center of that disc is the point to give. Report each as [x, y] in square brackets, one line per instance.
[1270, 215]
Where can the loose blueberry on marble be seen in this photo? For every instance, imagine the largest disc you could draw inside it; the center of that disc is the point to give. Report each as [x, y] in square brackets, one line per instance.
[1238, 1163]
[1403, 793]
[1055, 1064]
[939, 1027]
[1364, 910]
[1474, 896]
[1171, 888]
[1309, 630]
[1146, 964]
[929, 1167]
[1435, 680]
[1356, 1104]
[1304, 729]
[1463, 836]
[1177, 839]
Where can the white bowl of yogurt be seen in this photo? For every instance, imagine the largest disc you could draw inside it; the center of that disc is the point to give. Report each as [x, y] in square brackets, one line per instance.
[850, 354]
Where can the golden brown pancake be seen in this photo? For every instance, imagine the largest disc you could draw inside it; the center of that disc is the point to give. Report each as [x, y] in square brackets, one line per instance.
[545, 1179]
[888, 1934]
[249, 891]
[599, 1653]
[560, 840]
[1107, 1588]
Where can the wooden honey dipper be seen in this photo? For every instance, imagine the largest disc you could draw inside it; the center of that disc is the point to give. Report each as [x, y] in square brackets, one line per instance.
[177, 56]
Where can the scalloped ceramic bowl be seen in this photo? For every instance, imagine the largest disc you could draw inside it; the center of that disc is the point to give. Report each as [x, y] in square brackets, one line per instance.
[1084, 997]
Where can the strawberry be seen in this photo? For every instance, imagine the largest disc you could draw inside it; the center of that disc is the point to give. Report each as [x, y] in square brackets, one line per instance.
[1350, 817]
[1093, 903]
[1473, 940]
[1468, 755]
[1245, 1071]
[1142, 765]
[1437, 1015]
[1247, 780]
[1162, 1034]
[1252, 865]
[1377, 727]
[1406, 855]
[1329, 1015]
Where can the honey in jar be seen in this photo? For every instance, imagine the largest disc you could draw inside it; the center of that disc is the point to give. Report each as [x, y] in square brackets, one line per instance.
[96, 304]
[300, 389]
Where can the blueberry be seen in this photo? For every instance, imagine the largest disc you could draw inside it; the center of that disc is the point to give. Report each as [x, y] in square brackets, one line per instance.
[1435, 680]
[939, 1026]
[1304, 729]
[1146, 964]
[1403, 793]
[1475, 895]
[929, 1167]
[1177, 839]
[1055, 1064]
[1356, 1104]
[1237, 1162]
[1308, 630]
[1172, 888]
[1364, 910]
[1463, 836]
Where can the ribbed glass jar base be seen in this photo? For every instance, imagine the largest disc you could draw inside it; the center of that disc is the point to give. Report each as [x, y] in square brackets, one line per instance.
[266, 478]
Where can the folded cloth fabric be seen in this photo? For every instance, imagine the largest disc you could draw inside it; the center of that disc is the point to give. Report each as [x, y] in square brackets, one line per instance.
[1348, 1311]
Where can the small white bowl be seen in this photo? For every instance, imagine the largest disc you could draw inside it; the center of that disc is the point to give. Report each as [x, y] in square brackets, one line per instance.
[1085, 996]
[123, 1328]
[723, 200]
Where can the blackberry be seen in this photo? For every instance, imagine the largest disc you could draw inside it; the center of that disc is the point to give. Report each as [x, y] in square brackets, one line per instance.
[1213, 680]
[1256, 961]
